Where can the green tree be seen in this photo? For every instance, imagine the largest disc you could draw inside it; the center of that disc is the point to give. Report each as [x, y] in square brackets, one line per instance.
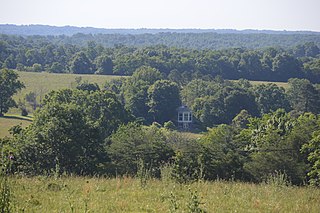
[164, 99]
[88, 86]
[31, 98]
[147, 74]
[270, 97]
[132, 143]
[274, 145]
[81, 64]
[303, 96]
[9, 85]
[221, 154]
[136, 97]
[104, 65]
[69, 132]
[313, 150]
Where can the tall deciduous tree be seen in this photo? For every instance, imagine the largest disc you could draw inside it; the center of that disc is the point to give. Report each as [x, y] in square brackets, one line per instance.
[164, 99]
[303, 96]
[270, 97]
[104, 65]
[80, 64]
[9, 85]
[70, 131]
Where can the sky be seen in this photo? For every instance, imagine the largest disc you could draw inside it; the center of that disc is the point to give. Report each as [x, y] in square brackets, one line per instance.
[174, 14]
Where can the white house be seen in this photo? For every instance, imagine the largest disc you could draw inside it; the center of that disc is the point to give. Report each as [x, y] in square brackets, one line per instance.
[184, 117]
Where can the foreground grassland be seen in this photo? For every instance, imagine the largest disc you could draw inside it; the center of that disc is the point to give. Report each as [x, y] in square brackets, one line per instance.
[78, 194]
[10, 120]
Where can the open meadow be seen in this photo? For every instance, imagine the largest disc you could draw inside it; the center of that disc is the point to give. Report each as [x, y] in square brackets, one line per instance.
[44, 82]
[10, 120]
[82, 194]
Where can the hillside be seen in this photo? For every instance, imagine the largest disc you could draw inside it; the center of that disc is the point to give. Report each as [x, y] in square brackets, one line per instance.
[71, 30]
[182, 38]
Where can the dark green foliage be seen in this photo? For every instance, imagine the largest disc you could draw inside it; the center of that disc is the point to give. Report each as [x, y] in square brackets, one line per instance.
[221, 156]
[88, 86]
[9, 85]
[270, 97]
[63, 54]
[81, 64]
[31, 98]
[219, 101]
[69, 132]
[164, 99]
[303, 96]
[134, 143]
[104, 65]
[275, 143]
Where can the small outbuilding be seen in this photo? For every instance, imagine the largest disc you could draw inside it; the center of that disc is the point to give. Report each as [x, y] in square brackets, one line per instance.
[184, 117]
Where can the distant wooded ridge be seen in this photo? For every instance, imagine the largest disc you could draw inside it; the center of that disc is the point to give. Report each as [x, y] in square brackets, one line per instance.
[71, 30]
[181, 38]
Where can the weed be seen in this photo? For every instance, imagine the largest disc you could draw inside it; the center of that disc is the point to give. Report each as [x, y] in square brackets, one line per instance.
[166, 173]
[279, 179]
[194, 203]
[143, 173]
[5, 194]
[173, 203]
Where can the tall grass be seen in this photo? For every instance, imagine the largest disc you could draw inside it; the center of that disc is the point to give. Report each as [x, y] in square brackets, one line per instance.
[81, 194]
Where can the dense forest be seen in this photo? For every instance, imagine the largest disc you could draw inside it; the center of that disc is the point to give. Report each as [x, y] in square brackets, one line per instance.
[86, 54]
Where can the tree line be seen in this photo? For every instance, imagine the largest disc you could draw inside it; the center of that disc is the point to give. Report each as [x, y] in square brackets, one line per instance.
[151, 97]
[254, 131]
[37, 53]
[90, 133]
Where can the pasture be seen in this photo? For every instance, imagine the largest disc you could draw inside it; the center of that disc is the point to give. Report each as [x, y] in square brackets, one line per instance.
[42, 83]
[10, 120]
[83, 194]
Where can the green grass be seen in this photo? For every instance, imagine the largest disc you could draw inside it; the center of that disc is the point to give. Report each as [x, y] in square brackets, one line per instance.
[42, 83]
[279, 84]
[10, 120]
[81, 194]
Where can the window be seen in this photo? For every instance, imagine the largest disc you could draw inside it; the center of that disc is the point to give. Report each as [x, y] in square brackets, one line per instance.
[185, 116]
[180, 117]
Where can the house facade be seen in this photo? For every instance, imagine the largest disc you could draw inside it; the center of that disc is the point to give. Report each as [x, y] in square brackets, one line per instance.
[184, 117]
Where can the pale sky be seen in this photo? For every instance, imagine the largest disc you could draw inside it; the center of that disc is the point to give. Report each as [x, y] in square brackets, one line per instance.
[204, 14]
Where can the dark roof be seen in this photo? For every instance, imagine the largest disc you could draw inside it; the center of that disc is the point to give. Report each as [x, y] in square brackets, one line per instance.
[183, 108]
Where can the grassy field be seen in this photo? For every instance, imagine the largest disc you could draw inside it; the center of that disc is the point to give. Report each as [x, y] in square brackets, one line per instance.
[279, 84]
[80, 194]
[10, 120]
[42, 83]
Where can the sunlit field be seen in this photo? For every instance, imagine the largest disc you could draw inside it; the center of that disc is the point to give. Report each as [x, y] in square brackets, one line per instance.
[81, 194]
